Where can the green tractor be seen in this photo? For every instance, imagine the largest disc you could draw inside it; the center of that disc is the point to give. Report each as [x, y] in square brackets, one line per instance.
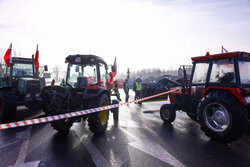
[20, 84]
[87, 86]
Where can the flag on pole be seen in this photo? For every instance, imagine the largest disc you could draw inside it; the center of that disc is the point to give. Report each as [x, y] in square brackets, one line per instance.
[8, 57]
[114, 71]
[223, 49]
[37, 57]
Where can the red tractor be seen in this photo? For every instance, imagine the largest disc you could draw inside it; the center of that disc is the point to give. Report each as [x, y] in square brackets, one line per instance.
[217, 95]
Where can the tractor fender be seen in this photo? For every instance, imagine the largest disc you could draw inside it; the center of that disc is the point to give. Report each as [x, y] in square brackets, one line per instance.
[233, 91]
[6, 88]
[48, 90]
[89, 95]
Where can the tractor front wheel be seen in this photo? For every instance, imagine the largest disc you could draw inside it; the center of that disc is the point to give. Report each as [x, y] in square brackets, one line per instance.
[7, 106]
[98, 121]
[167, 113]
[56, 108]
[222, 117]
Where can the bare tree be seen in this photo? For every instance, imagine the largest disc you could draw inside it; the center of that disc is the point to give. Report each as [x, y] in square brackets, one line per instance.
[56, 72]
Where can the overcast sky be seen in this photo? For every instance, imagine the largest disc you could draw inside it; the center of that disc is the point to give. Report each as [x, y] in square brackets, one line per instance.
[140, 33]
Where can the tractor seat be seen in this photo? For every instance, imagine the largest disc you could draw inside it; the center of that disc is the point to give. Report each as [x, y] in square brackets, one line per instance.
[81, 82]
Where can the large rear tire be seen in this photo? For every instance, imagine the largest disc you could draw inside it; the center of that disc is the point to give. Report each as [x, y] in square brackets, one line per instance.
[98, 121]
[193, 116]
[167, 113]
[222, 117]
[55, 108]
[7, 106]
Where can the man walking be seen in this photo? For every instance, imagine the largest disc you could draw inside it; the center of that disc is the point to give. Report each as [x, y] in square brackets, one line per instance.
[126, 89]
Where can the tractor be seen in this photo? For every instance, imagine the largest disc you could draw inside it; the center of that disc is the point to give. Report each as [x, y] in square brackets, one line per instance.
[87, 86]
[217, 95]
[20, 84]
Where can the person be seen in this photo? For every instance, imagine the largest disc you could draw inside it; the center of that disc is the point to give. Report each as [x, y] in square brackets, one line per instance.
[116, 90]
[53, 82]
[63, 83]
[137, 89]
[126, 89]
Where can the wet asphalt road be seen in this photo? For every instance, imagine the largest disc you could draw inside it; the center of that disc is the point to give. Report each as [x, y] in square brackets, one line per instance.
[139, 138]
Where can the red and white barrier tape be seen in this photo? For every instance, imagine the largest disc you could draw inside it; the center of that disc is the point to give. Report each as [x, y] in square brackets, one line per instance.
[73, 114]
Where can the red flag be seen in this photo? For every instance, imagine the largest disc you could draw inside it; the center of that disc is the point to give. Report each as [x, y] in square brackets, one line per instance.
[8, 57]
[36, 58]
[114, 71]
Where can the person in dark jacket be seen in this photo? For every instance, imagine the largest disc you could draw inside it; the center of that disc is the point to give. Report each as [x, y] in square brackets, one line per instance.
[116, 90]
[126, 89]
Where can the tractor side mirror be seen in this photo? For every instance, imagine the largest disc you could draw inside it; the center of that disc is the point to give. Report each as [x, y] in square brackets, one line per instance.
[45, 68]
[77, 69]
[180, 72]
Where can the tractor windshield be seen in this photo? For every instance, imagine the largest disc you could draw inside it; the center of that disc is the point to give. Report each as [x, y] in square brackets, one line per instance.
[22, 70]
[244, 69]
[77, 73]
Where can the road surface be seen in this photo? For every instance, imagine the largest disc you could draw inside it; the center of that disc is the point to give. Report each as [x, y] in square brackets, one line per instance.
[139, 138]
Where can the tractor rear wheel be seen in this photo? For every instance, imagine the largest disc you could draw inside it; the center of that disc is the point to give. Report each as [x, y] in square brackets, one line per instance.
[7, 106]
[167, 113]
[222, 117]
[56, 108]
[193, 116]
[98, 121]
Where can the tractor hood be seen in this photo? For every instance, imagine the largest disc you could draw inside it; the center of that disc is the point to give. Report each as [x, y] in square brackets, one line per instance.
[30, 85]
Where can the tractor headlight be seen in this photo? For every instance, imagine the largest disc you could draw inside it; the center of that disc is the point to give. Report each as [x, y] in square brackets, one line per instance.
[28, 95]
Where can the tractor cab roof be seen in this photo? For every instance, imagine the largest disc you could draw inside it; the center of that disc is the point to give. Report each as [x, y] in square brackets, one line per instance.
[221, 56]
[22, 60]
[84, 59]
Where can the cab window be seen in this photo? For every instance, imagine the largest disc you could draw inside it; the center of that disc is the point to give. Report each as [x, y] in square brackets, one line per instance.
[223, 72]
[103, 74]
[200, 73]
[244, 69]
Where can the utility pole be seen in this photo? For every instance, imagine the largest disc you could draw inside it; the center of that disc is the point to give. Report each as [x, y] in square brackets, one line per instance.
[128, 72]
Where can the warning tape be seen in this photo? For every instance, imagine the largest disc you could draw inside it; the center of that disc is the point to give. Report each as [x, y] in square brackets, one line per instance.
[74, 114]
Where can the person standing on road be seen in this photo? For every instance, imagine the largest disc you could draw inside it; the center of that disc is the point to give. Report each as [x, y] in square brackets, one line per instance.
[53, 82]
[117, 94]
[63, 83]
[137, 89]
[126, 89]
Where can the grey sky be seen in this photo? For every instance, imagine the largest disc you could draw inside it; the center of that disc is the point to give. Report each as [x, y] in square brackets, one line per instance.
[140, 33]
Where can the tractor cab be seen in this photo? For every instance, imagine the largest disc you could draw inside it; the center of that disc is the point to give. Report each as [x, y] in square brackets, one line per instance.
[217, 95]
[222, 71]
[86, 72]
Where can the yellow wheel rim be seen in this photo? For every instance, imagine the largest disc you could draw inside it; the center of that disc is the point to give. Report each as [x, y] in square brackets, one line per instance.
[104, 114]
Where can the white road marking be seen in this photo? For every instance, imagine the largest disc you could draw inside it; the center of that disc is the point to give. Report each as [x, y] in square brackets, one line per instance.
[96, 155]
[115, 160]
[23, 151]
[9, 144]
[152, 148]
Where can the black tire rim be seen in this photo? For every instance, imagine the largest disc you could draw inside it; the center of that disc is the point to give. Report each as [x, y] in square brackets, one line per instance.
[166, 114]
[216, 117]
